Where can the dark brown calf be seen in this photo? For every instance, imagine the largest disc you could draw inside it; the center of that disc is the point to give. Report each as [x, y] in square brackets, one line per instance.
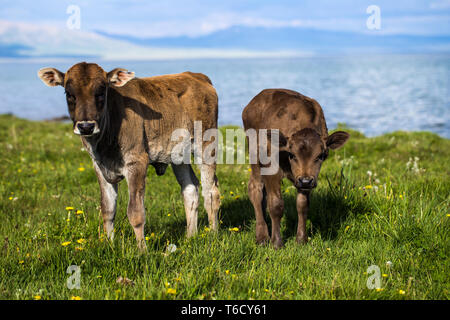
[303, 146]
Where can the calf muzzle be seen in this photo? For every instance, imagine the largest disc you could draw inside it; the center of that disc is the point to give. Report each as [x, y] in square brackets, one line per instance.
[306, 183]
[86, 128]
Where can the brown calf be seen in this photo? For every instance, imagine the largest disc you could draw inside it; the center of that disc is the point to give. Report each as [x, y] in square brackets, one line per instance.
[126, 124]
[303, 146]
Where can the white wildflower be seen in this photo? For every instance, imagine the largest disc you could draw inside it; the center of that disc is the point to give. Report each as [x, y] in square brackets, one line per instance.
[171, 248]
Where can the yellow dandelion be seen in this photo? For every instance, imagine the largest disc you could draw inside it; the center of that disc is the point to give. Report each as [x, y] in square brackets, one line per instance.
[207, 229]
[21, 262]
[10, 198]
[66, 243]
[234, 229]
[249, 169]
[379, 289]
[171, 291]
[79, 249]
[384, 275]
[79, 212]
[448, 215]
[168, 214]
[231, 193]
[75, 298]
[237, 197]
[69, 208]
[37, 297]
[368, 187]
[81, 169]
[147, 238]
[81, 241]
[401, 292]
[266, 290]
[227, 271]
[346, 228]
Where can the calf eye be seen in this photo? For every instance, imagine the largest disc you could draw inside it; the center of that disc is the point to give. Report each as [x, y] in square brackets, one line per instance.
[321, 157]
[291, 156]
[70, 97]
[100, 97]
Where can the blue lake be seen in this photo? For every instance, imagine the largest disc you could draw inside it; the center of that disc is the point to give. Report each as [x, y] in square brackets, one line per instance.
[373, 94]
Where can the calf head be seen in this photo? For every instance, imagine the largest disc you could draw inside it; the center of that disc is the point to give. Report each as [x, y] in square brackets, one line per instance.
[86, 88]
[305, 151]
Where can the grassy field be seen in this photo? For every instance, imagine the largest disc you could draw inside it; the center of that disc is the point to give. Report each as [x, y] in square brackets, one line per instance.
[380, 201]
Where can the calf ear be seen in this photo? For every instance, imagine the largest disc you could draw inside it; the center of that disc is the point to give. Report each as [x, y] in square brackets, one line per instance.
[119, 77]
[337, 139]
[51, 77]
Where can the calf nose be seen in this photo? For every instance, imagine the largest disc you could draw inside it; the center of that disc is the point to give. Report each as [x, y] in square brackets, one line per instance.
[86, 128]
[306, 182]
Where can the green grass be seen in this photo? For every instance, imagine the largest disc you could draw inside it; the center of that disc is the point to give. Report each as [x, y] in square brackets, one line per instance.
[356, 220]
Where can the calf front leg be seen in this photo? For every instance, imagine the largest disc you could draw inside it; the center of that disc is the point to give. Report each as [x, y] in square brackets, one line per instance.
[135, 175]
[302, 210]
[256, 195]
[108, 202]
[276, 207]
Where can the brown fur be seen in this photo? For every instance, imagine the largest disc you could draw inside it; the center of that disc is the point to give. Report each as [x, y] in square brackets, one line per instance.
[303, 146]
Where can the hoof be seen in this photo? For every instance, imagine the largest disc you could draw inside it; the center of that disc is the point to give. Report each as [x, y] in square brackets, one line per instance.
[142, 246]
[302, 240]
[262, 241]
[277, 244]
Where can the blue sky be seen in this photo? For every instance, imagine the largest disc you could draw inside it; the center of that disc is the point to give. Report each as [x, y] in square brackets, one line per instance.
[199, 17]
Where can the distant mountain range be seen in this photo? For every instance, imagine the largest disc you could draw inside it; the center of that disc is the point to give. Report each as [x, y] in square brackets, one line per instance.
[296, 38]
[20, 40]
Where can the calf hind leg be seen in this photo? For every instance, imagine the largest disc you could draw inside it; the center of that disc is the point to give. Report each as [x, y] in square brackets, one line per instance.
[210, 193]
[189, 189]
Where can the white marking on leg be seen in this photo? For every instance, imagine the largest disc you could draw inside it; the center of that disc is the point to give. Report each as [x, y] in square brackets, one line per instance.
[189, 190]
[110, 192]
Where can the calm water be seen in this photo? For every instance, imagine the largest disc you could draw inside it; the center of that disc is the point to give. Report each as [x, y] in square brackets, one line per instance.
[375, 94]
